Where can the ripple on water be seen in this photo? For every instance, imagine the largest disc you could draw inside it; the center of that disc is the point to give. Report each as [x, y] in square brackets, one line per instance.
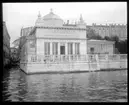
[75, 87]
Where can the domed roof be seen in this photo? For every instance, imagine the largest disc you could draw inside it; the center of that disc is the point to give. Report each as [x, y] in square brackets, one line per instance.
[51, 15]
[50, 19]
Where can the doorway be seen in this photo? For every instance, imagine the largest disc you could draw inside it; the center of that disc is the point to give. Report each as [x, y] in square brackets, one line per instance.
[62, 50]
[92, 50]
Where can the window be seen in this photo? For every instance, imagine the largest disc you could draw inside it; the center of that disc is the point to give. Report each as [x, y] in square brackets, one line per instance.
[77, 48]
[70, 48]
[47, 48]
[55, 48]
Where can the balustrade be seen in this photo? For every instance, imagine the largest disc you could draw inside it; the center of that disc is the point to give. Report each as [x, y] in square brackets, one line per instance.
[102, 57]
[69, 58]
[123, 56]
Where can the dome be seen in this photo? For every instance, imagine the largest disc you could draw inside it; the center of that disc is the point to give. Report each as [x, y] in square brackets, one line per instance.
[51, 15]
[50, 19]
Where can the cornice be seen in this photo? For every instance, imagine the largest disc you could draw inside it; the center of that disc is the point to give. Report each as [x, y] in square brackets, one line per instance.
[61, 38]
[68, 28]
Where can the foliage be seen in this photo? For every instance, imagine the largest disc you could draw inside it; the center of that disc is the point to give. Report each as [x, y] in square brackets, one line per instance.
[120, 45]
[112, 38]
[91, 34]
[107, 38]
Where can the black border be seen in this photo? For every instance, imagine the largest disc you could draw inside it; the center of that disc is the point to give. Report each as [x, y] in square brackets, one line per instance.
[35, 1]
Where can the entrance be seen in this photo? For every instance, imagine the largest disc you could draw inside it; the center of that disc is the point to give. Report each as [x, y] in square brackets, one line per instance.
[62, 50]
[92, 50]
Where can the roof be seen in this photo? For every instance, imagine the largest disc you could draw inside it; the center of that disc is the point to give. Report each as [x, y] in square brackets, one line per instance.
[51, 15]
[100, 41]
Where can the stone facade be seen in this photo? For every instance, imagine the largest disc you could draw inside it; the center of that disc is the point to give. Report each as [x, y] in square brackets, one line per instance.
[50, 29]
[6, 45]
[110, 30]
[100, 47]
[52, 46]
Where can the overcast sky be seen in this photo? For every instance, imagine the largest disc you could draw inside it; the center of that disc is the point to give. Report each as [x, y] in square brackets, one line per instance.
[18, 15]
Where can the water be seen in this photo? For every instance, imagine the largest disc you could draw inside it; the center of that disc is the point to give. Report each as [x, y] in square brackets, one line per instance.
[108, 86]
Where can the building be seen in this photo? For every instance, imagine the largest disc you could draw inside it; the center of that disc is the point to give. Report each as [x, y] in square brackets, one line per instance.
[25, 31]
[6, 45]
[14, 54]
[100, 47]
[110, 30]
[51, 39]
[53, 46]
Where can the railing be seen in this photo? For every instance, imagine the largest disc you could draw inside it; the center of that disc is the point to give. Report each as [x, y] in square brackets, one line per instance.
[69, 58]
[123, 56]
[56, 58]
[102, 57]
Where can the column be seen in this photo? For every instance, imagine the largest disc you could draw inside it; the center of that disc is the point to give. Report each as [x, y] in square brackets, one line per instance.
[50, 48]
[59, 48]
[73, 57]
[97, 61]
[66, 49]
[73, 48]
[107, 57]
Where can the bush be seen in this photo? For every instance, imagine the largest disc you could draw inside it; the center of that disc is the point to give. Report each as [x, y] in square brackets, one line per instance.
[121, 46]
[91, 34]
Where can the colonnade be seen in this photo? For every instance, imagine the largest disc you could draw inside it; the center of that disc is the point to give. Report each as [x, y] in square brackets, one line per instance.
[66, 48]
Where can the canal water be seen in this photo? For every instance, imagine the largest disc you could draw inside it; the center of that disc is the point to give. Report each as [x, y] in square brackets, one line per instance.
[107, 86]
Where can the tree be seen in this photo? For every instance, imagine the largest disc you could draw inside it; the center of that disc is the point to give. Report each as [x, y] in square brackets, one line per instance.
[121, 46]
[107, 38]
[91, 34]
[114, 38]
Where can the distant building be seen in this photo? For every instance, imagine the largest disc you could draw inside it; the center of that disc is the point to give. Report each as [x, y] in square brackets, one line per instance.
[6, 45]
[14, 54]
[110, 30]
[100, 47]
[26, 31]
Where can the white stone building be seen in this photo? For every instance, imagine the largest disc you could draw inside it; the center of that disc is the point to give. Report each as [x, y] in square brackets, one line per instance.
[51, 37]
[100, 47]
[52, 40]
[52, 46]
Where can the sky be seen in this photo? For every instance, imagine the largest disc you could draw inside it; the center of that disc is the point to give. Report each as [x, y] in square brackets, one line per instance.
[18, 15]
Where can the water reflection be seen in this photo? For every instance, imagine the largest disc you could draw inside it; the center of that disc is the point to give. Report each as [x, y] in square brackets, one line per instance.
[87, 87]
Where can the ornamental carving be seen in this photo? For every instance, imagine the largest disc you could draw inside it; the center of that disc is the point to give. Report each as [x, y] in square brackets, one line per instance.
[63, 31]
